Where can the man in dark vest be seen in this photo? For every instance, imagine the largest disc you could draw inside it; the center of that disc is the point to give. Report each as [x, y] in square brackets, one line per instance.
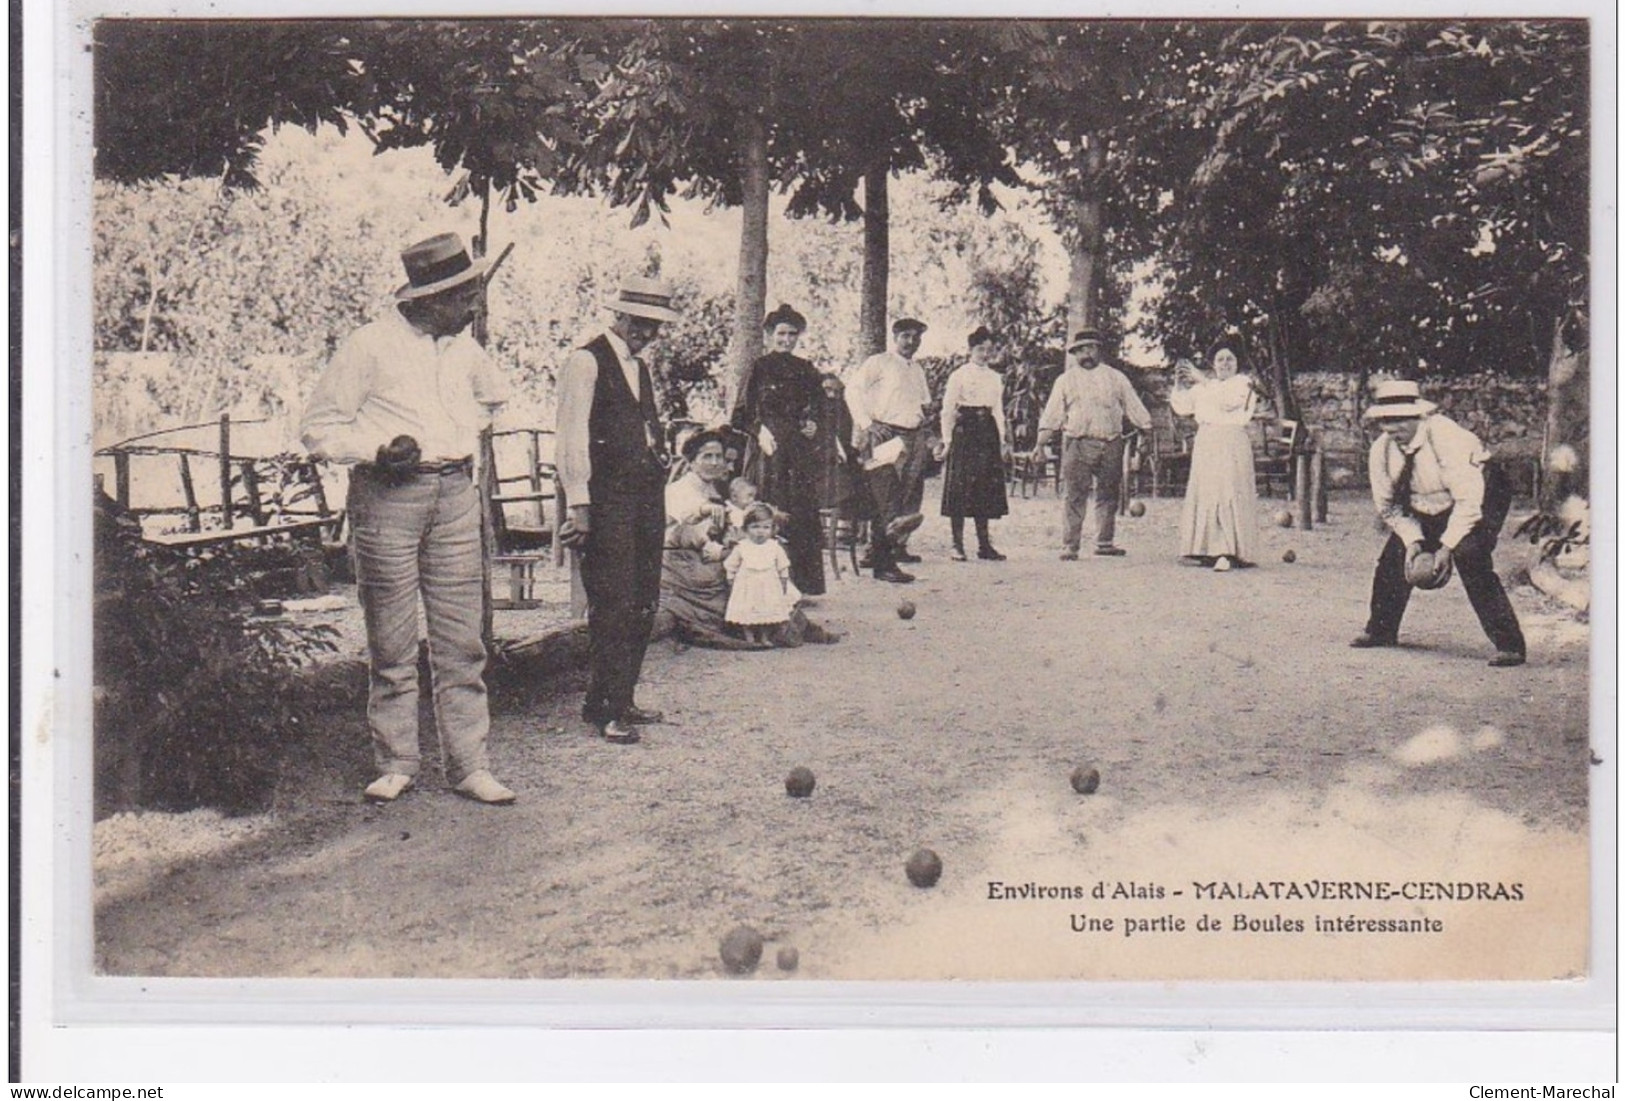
[612, 463]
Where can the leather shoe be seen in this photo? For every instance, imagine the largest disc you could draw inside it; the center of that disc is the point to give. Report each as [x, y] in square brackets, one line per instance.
[482, 787]
[908, 559]
[637, 716]
[1110, 552]
[1069, 556]
[1367, 641]
[388, 788]
[894, 575]
[613, 731]
[988, 554]
[957, 554]
[1506, 659]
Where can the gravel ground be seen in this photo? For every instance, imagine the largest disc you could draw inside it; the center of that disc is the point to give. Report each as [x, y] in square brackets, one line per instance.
[1237, 736]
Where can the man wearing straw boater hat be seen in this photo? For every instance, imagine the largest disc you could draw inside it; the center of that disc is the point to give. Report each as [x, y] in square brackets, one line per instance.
[1443, 502]
[404, 399]
[612, 464]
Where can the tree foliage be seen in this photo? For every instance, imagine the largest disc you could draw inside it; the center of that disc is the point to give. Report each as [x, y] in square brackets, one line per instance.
[1376, 196]
[195, 97]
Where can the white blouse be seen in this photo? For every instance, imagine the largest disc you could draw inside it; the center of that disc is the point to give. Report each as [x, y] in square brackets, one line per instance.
[1217, 401]
[973, 385]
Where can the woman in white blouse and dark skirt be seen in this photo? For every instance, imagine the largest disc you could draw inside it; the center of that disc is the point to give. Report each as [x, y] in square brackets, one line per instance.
[1219, 524]
[973, 439]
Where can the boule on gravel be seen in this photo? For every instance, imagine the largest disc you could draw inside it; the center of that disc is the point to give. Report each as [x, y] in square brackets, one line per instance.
[1289, 555]
[1137, 508]
[924, 868]
[1085, 780]
[1283, 518]
[741, 950]
[905, 610]
[800, 782]
[789, 958]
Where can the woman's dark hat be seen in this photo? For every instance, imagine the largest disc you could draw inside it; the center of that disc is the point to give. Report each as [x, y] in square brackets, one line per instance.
[786, 314]
[1231, 342]
[982, 335]
[435, 265]
[691, 446]
[907, 324]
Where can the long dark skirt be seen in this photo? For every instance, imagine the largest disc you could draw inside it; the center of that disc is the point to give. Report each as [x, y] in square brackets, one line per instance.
[973, 482]
[789, 480]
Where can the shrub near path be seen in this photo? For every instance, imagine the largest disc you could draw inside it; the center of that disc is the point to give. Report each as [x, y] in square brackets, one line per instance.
[1236, 735]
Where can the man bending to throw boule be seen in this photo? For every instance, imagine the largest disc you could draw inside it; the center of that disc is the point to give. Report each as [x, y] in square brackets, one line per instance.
[1444, 504]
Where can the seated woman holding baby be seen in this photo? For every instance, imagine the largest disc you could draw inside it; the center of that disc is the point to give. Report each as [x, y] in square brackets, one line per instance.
[694, 578]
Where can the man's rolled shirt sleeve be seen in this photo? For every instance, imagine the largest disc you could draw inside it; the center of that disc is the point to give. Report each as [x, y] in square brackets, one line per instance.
[578, 378]
[1461, 464]
[1054, 414]
[330, 428]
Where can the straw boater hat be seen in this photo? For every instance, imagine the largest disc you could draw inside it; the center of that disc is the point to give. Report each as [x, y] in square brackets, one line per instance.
[437, 264]
[1082, 337]
[1396, 399]
[641, 296]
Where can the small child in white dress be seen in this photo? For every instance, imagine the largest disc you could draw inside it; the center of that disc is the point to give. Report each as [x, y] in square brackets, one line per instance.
[758, 570]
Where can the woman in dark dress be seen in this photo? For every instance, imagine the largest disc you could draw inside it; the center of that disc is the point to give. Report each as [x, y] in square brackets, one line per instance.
[778, 409]
[975, 441]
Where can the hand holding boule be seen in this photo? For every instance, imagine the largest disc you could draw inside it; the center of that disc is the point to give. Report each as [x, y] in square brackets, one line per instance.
[398, 459]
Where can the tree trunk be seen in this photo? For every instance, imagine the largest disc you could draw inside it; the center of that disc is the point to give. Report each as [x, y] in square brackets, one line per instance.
[876, 262]
[1083, 286]
[1565, 459]
[1286, 404]
[750, 304]
[482, 243]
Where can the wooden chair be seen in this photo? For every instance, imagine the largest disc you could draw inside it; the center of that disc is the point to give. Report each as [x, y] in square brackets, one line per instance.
[520, 482]
[1032, 468]
[1167, 452]
[1279, 445]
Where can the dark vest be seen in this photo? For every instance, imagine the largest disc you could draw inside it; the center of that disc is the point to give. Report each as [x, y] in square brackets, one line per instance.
[625, 441]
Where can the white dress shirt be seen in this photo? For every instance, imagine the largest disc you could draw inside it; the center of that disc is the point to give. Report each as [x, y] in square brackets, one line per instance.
[577, 381]
[972, 385]
[1448, 474]
[889, 389]
[390, 378]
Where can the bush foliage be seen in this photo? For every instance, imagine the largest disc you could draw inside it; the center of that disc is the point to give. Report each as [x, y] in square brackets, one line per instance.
[196, 699]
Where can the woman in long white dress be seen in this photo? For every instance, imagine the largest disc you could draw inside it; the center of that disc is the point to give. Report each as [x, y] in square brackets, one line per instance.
[1219, 523]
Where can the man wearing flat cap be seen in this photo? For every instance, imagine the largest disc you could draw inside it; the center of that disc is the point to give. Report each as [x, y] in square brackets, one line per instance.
[1443, 502]
[612, 464]
[887, 396]
[1088, 405]
[404, 400]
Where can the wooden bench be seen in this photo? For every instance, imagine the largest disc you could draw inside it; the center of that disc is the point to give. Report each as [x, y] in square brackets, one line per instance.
[312, 528]
[278, 495]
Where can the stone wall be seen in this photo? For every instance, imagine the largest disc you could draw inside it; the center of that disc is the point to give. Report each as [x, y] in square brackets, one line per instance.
[1499, 410]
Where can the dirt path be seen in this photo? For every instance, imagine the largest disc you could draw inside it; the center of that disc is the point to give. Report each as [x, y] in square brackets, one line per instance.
[1237, 736]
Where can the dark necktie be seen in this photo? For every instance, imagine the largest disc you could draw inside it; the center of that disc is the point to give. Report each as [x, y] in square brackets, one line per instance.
[1402, 483]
